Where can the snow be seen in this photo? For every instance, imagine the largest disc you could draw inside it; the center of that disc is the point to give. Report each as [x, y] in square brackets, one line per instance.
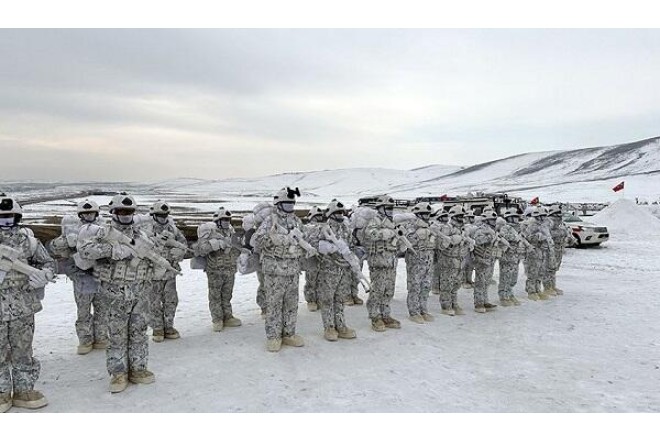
[627, 218]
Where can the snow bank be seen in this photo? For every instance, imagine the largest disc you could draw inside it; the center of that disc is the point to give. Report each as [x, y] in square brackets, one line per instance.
[624, 217]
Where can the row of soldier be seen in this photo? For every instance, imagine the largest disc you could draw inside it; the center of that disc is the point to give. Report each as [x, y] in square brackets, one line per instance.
[124, 272]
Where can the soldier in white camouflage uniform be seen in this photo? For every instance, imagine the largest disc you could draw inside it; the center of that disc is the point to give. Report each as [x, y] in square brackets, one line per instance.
[468, 263]
[451, 247]
[125, 282]
[419, 263]
[280, 241]
[218, 243]
[335, 275]
[537, 234]
[352, 298]
[439, 218]
[510, 260]
[487, 248]
[382, 246]
[20, 300]
[171, 244]
[312, 232]
[561, 236]
[91, 327]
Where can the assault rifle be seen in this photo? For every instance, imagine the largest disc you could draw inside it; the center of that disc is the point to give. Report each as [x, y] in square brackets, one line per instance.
[10, 260]
[348, 256]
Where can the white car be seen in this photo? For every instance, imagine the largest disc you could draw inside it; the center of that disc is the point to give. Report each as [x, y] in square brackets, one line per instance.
[586, 234]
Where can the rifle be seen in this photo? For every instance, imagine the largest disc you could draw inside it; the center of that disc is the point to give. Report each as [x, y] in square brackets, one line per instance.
[10, 260]
[141, 248]
[401, 239]
[169, 240]
[296, 235]
[348, 256]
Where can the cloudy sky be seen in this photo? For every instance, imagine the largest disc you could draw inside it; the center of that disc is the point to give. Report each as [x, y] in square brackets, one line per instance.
[152, 104]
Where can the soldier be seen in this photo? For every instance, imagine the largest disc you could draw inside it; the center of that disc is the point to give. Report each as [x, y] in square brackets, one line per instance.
[486, 249]
[25, 269]
[468, 263]
[281, 244]
[419, 263]
[219, 244]
[510, 260]
[561, 236]
[439, 218]
[125, 279]
[312, 233]
[171, 244]
[352, 297]
[451, 247]
[536, 233]
[91, 327]
[335, 275]
[382, 245]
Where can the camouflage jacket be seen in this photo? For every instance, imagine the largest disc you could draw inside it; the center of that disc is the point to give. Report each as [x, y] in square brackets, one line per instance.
[280, 253]
[223, 259]
[381, 242]
[174, 255]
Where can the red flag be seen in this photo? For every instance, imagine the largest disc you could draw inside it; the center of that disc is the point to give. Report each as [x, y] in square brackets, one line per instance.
[534, 201]
[444, 197]
[619, 186]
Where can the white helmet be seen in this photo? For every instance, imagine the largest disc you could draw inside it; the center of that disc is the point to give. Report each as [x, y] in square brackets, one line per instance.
[384, 201]
[538, 212]
[457, 210]
[286, 195]
[160, 208]
[87, 206]
[511, 212]
[489, 216]
[335, 206]
[470, 214]
[221, 213]
[315, 211]
[9, 205]
[421, 208]
[123, 201]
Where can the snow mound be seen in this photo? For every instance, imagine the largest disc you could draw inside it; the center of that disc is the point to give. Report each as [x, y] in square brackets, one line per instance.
[624, 217]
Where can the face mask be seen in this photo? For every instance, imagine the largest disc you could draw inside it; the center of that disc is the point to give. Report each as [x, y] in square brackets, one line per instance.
[161, 219]
[126, 219]
[88, 217]
[337, 217]
[287, 207]
[424, 216]
[224, 223]
[513, 220]
[457, 220]
[6, 222]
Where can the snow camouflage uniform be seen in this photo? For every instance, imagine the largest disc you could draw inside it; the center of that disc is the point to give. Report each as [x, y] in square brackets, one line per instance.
[380, 237]
[468, 262]
[561, 237]
[510, 262]
[91, 327]
[351, 297]
[450, 256]
[536, 258]
[126, 283]
[312, 233]
[163, 298]
[19, 302]
[280, 263]
[220, 268]
[419, 266]
[435, 283]
[485, 252]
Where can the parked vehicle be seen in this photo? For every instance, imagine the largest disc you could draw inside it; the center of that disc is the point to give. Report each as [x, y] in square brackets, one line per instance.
[586, 233]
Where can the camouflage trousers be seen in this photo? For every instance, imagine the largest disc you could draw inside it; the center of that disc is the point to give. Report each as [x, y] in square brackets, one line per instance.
[354, 285]
[550, 274]
[468, 269]
[508, 278]
[128, 348]
[534, 272]
[261, 292]
[163, 300]
[419, 268]
[382, 292]
[483, 271]
[449, 280]
[90, 327]
[334, 282]
[311, 282]
[435, 276]
[221, 288]
[18, 368]
[281, 305]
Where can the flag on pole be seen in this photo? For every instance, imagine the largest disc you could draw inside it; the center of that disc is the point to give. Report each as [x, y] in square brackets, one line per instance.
[444, 197]
[619, 186]
[534, 201]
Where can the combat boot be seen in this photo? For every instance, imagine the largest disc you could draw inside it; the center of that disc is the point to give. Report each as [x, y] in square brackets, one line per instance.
[417, 319]
[158, 335]
[378, 325]
[118, 383]
[142, 376]
[480, 309]
[550, 292]
[391, 323]
[350, 301]
[293, 340]
[85, 348]
[218, 326]
[263, 314]
[312, 306]
[358, 301]
[273, 344]
[427, 317]
[29, 399]
[346, 332]
[172, 333]
[514, 301]
[489, 306]
[232, 322]
[543, 296]
[331, 334]
[5, 401]
[448, 311]
[559, 292]
[101, 344]
[458, 310]
[534, 297]
[506, 302]
[468, 285]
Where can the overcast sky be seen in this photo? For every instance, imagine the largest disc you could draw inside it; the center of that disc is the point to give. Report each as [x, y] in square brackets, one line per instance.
[150, 104]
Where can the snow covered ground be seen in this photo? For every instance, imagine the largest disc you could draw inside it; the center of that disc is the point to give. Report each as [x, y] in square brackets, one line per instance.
[595, 349]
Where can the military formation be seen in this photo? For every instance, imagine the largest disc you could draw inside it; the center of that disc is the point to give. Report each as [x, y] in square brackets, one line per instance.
[124, 272]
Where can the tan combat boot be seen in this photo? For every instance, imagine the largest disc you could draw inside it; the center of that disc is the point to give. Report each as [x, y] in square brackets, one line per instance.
[543, 296]
[232, 322]
[101, 344]
[358, 301]
[346, 332]
[29, 399]
[331, 334]
[293, 340]
[506, 302]
[172, 334]
[312, 306]
[427, 317]
[378, 325]
[480, 309]
[5, 401]
[85, 348]
[417, 319]
[559, 292]
[391, 323]
[534, 297]
[514, 301]
[458, 310]
[273, 344]
[218, 326]
[158, 335]
[448, 311]
[490, 306]
[118, 383]
[142, 376]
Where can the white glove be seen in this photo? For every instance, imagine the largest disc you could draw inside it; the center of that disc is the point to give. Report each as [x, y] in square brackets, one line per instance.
[215, 244]
[326, 247]
[38, 279]
[71, 240]
[121, 252]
